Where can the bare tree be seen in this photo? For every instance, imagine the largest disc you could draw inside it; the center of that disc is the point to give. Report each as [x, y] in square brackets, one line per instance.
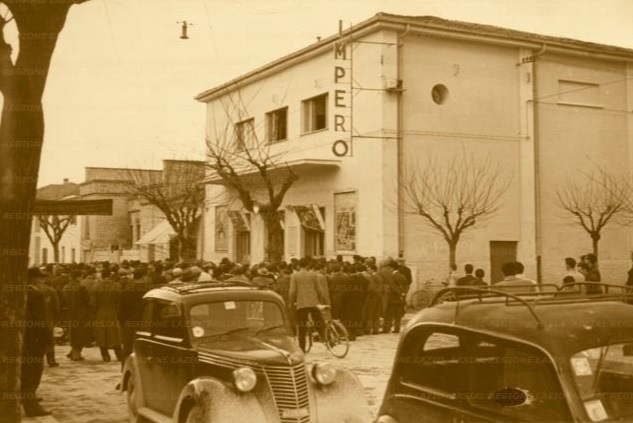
[255, 171]
[22, 84]
[178, 192]
[453, 196]
[54, 227]
[596, 200]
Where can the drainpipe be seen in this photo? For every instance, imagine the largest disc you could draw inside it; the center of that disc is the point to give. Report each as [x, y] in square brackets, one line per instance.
[537, 167]
[399, 132]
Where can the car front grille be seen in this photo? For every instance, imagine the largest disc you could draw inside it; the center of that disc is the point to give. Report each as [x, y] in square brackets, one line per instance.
[289, 386]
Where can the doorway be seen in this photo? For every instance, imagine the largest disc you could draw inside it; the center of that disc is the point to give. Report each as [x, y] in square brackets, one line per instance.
[501, 252]
[243, 247]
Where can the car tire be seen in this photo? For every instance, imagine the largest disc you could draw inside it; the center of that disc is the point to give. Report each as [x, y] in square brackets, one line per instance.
[195, 414]
[132, 404]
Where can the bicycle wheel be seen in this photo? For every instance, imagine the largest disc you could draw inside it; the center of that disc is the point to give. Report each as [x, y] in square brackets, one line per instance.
[336, 339]
[309, 337]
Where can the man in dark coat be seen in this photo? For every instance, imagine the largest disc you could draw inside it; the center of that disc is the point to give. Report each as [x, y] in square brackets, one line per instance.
[282, 287]
[36, 339]
[371, 312]
[130, 309]
[337, 283]
[398, 288]
[107, 295]
[354, 301]
[79, 316]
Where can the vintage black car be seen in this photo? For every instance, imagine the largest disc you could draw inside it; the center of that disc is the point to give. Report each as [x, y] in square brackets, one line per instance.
[224, 352]
[494, 356]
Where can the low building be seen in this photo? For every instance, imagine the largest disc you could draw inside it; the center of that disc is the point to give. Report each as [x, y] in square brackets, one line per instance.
[350, 112]
[41, 250]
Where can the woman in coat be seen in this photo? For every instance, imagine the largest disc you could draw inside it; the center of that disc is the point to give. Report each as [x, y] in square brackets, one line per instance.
[79, 316]
[107, 331]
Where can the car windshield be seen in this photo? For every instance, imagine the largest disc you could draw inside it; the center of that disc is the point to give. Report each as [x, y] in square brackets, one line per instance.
[239, 318]
[604, 377]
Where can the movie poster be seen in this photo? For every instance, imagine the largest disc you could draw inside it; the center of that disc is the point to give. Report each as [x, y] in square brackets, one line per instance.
[345, 212]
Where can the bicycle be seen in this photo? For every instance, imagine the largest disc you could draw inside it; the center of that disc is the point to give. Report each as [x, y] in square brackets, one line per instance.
[336, 336]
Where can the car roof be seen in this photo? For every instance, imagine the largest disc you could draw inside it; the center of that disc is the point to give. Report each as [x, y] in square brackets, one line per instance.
[559, 325]
[192, 292]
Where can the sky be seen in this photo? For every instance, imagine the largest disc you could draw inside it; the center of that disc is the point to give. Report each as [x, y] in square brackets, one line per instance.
[121, 86]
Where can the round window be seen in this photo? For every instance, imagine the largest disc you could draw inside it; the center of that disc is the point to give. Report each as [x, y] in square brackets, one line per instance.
[439, 94]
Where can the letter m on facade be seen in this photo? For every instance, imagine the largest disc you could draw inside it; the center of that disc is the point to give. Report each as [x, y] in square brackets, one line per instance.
[340, 51]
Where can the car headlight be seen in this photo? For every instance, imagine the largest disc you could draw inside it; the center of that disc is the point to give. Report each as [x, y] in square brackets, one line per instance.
[324, 373]
[244, 379]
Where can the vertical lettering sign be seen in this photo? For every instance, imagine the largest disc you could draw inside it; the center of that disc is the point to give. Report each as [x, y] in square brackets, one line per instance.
[342, 99]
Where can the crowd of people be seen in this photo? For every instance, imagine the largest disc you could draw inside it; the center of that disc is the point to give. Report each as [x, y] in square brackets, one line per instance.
[99, 304]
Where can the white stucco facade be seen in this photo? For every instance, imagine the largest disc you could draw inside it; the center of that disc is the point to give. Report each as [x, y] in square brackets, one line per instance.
[506, 98]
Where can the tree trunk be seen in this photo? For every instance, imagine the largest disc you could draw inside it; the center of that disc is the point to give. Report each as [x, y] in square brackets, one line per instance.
[21, 137]
[452, 254]
[55, 251]
[595, 239]
[275, 246]
[186, 248]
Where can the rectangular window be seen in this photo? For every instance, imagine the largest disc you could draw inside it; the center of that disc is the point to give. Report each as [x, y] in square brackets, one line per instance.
[72, 255]
[245, 135]
[221, 229]
[37, 224]
[277, 125]
[63, 255]
[581, 93]
[345, 221]
[315, 113]
[44, 255]
[87, 227]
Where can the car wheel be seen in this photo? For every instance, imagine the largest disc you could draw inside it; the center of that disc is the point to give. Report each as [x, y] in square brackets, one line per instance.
[132, 405]
[195, 414]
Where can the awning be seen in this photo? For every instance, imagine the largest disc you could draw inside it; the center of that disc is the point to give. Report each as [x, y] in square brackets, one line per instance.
[298, 166]
[73, 207]
[159, 234]
[310, 217]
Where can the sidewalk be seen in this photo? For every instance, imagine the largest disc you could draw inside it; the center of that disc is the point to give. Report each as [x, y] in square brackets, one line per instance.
[82, 391]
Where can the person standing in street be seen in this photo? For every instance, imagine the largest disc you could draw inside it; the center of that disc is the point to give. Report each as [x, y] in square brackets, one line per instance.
[396, 302]
[36, 339]
[571, 271]
[282, 287]
[373, 302]
[513, 284]
[593, 274]
[51, 306]
[337, 283]
[130, 309]
[107, 295]
[79, 316]
[306, 294]
[354, 301]
[405, 270]
[468, 278]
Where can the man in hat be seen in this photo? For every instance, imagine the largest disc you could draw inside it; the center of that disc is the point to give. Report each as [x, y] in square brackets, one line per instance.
[36, 338]
[263, 279]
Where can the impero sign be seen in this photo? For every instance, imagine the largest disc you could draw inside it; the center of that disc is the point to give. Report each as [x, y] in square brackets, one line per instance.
[342, 119]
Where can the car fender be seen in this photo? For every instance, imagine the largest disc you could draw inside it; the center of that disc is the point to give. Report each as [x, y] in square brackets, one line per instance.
[221, 402]
[342, 400]
[129, 369]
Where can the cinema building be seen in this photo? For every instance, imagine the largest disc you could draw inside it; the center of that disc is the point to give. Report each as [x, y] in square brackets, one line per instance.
[353, 110]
